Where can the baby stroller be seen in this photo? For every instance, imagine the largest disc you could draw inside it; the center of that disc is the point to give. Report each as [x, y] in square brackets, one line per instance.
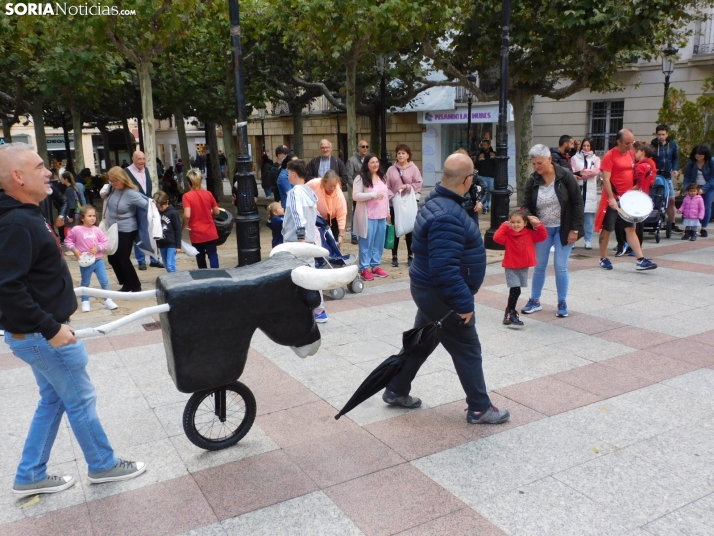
[657, 220]
[335, 259]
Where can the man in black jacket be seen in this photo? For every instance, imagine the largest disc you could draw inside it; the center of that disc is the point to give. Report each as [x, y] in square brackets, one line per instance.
[486, 166]
[322, 164]
[36, 301]
[561, 153]
[280, 153]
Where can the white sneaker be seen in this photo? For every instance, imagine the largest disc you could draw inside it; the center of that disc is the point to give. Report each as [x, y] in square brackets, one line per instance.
[86, 307]
[588, 245]
[109, 304]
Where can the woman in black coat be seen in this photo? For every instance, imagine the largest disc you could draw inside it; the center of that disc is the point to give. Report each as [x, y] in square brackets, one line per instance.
[552, 194]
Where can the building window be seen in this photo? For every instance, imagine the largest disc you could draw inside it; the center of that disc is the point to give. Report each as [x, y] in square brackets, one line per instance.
[606, 118]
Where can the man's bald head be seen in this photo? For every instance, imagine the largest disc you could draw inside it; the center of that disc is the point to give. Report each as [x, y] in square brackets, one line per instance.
[23, 174]
[139, 159]
[457, 168]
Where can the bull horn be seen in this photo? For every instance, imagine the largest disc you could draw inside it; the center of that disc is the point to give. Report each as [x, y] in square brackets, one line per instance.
[302, 250]
[323, 279]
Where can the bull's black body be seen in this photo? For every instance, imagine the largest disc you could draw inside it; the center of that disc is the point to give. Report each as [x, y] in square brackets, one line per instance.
[214, 314]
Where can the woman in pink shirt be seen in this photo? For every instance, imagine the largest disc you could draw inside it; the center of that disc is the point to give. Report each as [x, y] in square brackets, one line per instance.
[372, 196]
[402, 178]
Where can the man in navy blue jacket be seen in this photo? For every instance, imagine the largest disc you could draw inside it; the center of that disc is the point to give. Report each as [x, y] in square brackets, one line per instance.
[667, 159]
[448, 269]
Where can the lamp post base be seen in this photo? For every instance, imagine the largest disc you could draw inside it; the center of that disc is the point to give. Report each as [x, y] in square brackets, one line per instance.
[248, 219]
[500, 207]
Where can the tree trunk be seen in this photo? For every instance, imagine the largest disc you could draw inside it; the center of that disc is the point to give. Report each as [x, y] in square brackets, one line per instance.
[229, 147]
[213, 161]
[523, 119]
[147, 110]
[77, 135]
[296, 112]
[38, 122]
[107, 154]
[183, 144]
[6, 127]
[128, 138]
[351, 102]
[375, 138]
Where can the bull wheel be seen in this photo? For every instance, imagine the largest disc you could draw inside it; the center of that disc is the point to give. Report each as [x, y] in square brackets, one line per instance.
[337, 293]
[216, 419]
[356, 286]
[657, 238]
[668, 230]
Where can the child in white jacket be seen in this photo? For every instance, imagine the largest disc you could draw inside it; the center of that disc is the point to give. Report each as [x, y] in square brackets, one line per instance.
[300, 217]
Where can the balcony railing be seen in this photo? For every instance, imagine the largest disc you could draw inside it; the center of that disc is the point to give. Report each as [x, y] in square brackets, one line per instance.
[704, 35]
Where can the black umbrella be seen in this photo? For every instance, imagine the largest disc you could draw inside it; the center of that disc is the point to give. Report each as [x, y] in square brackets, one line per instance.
[417, 343]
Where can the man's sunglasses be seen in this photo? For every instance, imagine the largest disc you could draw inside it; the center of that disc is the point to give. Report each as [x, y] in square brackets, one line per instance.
[364, 146]
[472, 176]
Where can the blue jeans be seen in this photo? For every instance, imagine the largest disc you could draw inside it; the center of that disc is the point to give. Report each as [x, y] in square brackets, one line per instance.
[268, 191]
[168, 255]
[708, 200]
[487, 198]
[206, 248]
[461, 341]
[64, 386]
[141, 256]
[562, 255]
[589, 226]
[98, 268]
[372, 247]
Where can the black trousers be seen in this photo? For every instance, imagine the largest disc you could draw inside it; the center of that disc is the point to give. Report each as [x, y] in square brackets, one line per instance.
[407, 237]
[460, 340]
[121, 263]
[335, 228]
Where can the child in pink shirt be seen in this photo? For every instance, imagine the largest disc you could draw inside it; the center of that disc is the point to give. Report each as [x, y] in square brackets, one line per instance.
[87, 242]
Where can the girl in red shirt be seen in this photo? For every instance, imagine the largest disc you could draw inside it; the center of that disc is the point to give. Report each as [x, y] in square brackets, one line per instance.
[519, 234]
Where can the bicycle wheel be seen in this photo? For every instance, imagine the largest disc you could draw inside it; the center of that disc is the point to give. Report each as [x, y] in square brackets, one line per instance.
[216, 419]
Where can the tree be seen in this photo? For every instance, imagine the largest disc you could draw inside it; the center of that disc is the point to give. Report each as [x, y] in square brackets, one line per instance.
[689, 121]
[558, 47]
[140, 39]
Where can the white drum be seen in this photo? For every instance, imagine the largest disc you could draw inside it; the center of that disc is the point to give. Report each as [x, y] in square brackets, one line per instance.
[635, 206]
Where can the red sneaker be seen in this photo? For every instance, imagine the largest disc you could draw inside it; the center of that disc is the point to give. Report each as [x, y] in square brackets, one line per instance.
[379, 272]
[367, 275]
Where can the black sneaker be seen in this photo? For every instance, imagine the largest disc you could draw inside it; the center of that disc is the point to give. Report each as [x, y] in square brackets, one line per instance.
[686, 235]
[676, 229]
[620, 251]
[703, 233]
[410, 260]
[507, 317]
[142, 266]
[410, 402]
[354, 240]
[157, 264]
[395, 261]
[693, 238]
[515, 320]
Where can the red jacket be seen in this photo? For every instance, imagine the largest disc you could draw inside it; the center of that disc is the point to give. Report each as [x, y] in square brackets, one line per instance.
[645, 173]
[520, 248]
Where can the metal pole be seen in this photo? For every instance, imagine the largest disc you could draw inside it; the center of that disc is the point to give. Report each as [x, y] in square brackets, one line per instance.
[69, 166]
[138, 123]
[468, 127]
[383, 102]
[339, 148]
[500, 195]
[262, 135]
[248, 219]
[666, 86]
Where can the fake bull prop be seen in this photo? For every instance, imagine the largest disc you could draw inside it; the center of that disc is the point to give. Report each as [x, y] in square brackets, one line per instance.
[208, 318]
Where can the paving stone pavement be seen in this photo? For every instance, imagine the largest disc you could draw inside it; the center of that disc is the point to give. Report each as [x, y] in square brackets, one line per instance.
[612, 428]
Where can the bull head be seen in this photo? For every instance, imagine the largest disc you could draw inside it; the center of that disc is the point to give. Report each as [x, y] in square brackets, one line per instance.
[214, 313]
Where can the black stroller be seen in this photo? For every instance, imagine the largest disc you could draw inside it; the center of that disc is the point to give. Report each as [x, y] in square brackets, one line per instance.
[657, 220]
[335, 260]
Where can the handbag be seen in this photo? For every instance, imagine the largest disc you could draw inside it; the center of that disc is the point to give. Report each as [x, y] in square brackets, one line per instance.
[389, 239]
[112, 231]
[405, 210]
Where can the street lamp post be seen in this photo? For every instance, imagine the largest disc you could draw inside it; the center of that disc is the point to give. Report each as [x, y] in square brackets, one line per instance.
[471, 78]
[261, 114]
[339, 134]
[500, 195]
[247, 219]
[668, 66]
[69, 166]
[382, 68]
[137, 91]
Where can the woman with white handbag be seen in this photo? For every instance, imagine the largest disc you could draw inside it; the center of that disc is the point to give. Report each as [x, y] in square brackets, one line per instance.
[404, 180]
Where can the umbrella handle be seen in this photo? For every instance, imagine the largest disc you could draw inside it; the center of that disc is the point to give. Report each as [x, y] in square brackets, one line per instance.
[447, 315]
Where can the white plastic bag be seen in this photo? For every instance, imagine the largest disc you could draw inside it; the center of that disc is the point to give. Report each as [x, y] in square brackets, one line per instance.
[188, 249]
[405, 211]
[112, 233]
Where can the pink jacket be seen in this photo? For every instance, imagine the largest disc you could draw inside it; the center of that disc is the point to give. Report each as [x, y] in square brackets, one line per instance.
[411, 175]
[85, 238]
[692, 207]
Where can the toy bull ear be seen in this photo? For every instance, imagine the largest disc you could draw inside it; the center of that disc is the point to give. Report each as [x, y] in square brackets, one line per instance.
[301, 250]
[322, 279]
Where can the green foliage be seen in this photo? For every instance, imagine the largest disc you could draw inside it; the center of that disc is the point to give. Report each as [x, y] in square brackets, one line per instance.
[691, 122]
